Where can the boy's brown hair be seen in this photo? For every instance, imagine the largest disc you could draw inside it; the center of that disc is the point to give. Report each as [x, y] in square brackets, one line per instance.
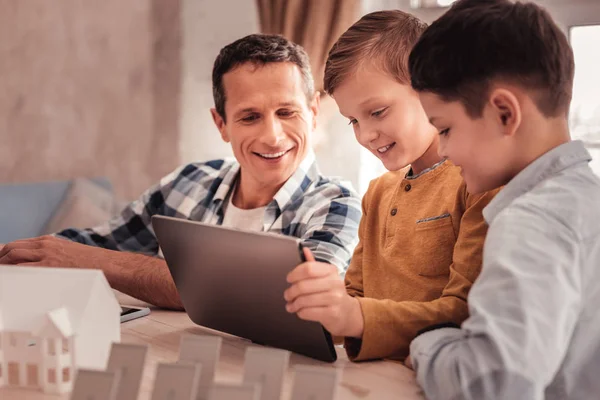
[479, 41]
[382, 37]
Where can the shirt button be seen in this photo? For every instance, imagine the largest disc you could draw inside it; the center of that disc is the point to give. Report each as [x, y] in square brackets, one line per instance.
[407, 187]
[394, 211]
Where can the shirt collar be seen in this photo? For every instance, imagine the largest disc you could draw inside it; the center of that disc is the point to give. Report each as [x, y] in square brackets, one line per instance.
[297, 184]
[294, 188]
[558, 159]
[227, 183]
[434, 167]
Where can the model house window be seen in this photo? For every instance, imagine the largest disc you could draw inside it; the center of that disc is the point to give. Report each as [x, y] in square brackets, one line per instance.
[51, 347]
[65, 346]
[51, 375]
[66, 374]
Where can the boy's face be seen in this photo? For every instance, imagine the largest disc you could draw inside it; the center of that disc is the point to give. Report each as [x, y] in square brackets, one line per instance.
[479, 146]
[387, 117]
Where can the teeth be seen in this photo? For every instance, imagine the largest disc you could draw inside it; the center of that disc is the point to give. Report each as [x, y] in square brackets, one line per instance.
[384, 148]
[273, 155]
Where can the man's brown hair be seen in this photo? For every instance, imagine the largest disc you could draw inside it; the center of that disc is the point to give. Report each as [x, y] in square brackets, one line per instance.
[259, 49]
[479, 41]
[383, 37]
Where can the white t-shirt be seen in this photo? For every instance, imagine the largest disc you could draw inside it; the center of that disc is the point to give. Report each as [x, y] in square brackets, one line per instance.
[249, 220]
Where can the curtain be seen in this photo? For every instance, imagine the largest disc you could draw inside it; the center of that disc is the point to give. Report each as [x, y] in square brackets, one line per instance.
[314, 24]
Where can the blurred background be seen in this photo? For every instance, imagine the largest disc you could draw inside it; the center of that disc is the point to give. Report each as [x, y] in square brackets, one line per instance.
[120, 91]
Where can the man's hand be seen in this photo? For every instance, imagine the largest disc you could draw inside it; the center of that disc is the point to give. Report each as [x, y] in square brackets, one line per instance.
[317, 293]
[48, 251]
[144, 277]
[408, 362]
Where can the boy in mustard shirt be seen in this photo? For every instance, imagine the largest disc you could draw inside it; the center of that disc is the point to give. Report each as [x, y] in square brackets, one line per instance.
[421, 234]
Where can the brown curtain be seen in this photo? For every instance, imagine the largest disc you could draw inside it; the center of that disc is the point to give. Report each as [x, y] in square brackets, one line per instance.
[314, 24]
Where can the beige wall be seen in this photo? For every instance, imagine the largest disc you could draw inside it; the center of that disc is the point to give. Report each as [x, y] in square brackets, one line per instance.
[123, 89]
[89, 88]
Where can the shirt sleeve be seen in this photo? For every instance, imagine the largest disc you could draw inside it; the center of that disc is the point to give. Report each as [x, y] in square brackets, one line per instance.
[131, 230]
[331, 231]
[354, 275]
[390, 326]
[523, 309]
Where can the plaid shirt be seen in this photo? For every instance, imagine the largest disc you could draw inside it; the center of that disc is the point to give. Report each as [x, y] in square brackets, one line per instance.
[322, 212]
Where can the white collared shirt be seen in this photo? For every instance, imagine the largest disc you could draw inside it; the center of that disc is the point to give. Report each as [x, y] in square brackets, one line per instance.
[534, 326]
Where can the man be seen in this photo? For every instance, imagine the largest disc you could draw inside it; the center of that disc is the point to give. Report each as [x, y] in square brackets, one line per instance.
[266, 107]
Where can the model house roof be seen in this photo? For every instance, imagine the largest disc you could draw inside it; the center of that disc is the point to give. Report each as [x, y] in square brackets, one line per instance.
[33, 298]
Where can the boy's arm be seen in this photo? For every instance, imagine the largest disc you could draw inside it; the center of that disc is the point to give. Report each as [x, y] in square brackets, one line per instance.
[523, 307]
[389, 326]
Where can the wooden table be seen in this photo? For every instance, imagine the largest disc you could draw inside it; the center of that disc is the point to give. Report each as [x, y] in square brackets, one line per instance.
[162, 330]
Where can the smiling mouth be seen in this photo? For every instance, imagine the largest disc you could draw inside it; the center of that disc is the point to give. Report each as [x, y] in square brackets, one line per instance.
[384, 149]
[273, 156]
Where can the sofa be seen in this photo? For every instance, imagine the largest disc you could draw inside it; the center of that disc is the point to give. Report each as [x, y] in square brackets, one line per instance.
[35, 209]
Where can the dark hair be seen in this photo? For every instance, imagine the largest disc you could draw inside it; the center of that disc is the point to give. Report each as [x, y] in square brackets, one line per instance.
[478, 41]
[383, 37]
[258, 49]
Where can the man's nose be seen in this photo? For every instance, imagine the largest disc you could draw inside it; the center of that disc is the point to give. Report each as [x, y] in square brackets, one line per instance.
[273, 131]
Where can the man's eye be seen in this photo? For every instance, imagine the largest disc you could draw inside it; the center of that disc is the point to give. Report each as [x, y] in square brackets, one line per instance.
[286, 113]
[444, 132]
[250, 118]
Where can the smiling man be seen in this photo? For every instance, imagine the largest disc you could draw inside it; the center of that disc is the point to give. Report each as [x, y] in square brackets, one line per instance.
[266, 108]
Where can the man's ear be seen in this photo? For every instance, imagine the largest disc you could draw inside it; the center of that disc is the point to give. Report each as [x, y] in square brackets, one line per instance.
[507, 110]
[220, 124]
[314, 106]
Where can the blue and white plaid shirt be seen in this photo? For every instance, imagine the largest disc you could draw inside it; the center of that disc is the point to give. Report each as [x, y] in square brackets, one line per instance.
[322, 212]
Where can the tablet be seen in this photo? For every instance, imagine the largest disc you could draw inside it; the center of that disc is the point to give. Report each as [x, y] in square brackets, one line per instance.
[233, 281]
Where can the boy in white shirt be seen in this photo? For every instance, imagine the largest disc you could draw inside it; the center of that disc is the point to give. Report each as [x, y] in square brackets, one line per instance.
[495, 78]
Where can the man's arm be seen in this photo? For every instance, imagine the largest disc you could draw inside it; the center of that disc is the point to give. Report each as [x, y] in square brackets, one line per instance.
[144, 277]
[331, 232]
[110, 246]
[131, 230]
[353, 279]
[523, 309]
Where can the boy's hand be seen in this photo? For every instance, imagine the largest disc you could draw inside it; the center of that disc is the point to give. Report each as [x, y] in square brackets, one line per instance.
[408, 362]
[317, 293]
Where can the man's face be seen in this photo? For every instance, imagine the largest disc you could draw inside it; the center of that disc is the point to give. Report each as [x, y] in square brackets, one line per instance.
[387, 117]
[268, 121]
[479, 146]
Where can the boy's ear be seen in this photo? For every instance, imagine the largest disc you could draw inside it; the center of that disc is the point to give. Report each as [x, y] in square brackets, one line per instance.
[220, 124]
[507, 109]
[315, 107]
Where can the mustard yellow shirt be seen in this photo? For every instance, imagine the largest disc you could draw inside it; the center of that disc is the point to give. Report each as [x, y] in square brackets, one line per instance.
[420, 249]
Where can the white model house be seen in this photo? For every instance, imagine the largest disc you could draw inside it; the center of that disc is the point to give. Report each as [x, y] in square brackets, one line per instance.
[53, 321]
